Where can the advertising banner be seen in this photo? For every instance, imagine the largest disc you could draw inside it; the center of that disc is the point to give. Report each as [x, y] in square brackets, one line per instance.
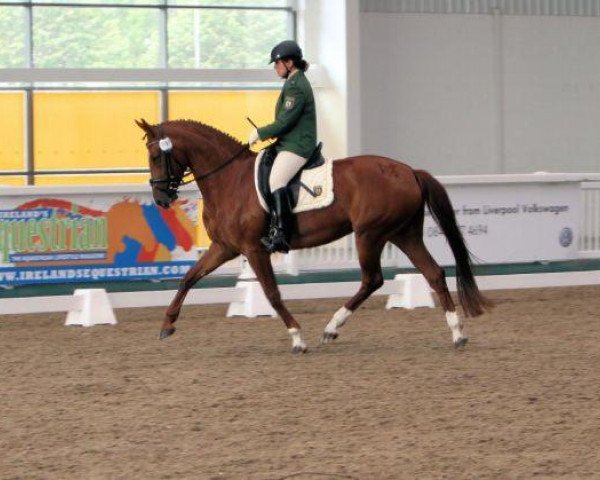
[88, 237]
[511, 223]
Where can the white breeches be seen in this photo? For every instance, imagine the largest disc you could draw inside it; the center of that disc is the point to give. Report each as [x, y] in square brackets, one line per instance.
[286, 165]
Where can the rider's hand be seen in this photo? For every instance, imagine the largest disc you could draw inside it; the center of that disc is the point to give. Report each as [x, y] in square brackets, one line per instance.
[253, 137]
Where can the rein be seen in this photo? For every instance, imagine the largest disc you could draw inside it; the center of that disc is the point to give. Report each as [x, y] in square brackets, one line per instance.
[223, 165]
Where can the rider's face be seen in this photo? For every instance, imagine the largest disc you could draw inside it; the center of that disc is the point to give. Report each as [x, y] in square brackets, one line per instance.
[280, 67]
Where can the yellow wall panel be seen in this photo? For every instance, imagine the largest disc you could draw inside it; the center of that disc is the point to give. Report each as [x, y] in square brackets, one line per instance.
[225, 109]
[97, 179]
[12, 153]
[13, 181]
[91, 129]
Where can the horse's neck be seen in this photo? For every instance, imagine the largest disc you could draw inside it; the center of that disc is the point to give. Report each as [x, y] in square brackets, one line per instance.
[230, 181]
[210, 159]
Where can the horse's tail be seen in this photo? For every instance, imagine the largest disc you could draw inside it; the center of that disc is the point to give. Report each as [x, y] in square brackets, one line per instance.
[436, 197]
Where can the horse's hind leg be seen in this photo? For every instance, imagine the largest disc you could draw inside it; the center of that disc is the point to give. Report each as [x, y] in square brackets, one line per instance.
[214, 257]
[417, 253]
[369, 247]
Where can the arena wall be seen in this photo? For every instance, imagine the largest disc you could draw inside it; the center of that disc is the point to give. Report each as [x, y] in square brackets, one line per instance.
[481, 93]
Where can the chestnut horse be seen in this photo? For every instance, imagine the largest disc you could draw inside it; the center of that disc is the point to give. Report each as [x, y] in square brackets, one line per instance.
[380, 199]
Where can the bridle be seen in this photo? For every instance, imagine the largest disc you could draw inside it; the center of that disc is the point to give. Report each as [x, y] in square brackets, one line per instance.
[173, 181]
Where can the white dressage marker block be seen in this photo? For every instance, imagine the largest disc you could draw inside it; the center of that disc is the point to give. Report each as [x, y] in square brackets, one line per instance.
[254, 301]
[246, 272]
[95, 309]
[415, 292]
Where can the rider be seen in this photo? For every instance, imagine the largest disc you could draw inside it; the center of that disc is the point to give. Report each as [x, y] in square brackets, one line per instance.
[295, 127]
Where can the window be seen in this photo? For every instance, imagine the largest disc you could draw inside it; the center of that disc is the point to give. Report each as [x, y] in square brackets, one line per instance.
[13, 34]
[208, 38]
[95, 37]
[143, 33]
[66, 125]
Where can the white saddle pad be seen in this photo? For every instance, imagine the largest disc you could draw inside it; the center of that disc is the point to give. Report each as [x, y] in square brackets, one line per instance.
[318, 180]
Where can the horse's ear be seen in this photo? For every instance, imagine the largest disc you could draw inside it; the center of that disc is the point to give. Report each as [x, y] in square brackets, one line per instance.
[146, 127]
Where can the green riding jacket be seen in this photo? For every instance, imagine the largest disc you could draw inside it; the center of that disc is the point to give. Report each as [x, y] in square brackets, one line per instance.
[295, 124]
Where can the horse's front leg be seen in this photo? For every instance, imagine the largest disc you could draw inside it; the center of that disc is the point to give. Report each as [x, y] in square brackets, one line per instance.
[214, 257]
[261, 264]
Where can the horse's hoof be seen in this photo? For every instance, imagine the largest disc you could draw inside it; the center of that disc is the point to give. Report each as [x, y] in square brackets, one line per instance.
[166, 332]
[296, 349]
[328, 337]
[460, 343]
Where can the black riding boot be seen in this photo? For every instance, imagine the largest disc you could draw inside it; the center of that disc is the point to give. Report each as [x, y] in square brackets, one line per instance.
[281, 223]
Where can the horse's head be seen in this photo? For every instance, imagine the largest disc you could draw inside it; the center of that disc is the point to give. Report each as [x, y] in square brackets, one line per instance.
[166, 170]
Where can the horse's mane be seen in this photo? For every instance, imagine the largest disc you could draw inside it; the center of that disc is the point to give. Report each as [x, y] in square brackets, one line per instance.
[226, 139]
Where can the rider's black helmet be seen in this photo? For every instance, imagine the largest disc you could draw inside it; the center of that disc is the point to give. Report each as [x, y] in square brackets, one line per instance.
[286, 49]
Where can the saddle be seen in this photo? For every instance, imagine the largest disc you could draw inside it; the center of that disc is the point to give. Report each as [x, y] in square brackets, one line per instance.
[315, 160]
